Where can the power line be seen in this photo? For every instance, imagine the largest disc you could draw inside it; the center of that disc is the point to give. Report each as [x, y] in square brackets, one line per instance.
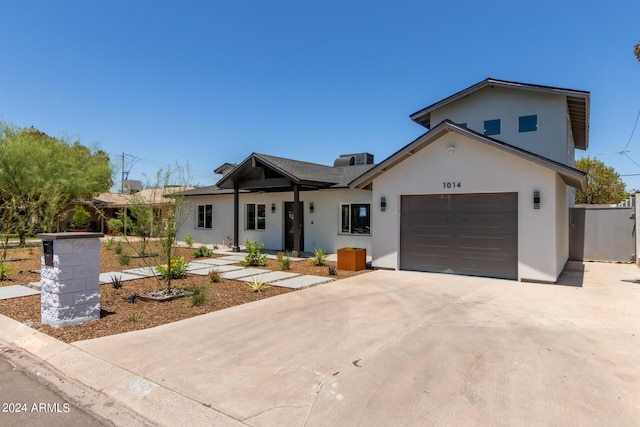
[632, 131]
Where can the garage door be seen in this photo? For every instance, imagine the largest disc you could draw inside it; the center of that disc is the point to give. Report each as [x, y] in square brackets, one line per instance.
[472, 234]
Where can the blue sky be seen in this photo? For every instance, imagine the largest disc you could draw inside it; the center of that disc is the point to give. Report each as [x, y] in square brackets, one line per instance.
[208, 82]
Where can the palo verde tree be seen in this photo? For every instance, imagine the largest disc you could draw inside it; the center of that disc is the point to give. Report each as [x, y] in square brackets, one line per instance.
[604, 185]
[159, 214]
[40, 175]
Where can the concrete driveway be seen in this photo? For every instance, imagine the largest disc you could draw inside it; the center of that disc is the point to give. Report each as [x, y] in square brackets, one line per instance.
[401, 348]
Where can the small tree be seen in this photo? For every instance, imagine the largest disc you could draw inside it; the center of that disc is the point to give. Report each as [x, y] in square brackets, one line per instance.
[80, 217]
[604, 185]
[160, 215]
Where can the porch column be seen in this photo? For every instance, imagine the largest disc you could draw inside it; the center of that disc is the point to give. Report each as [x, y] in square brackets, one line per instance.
[296, 218]
[236, 221]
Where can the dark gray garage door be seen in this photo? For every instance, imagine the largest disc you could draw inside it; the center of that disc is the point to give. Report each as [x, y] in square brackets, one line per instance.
[472, 234]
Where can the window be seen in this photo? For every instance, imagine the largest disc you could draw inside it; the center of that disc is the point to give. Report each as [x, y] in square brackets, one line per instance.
[205, 216]
[256, 216]
[492, 127]
[355, 218]
[528, 123]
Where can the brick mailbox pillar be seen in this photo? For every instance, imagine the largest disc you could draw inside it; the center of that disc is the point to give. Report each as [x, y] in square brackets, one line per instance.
[69, 277]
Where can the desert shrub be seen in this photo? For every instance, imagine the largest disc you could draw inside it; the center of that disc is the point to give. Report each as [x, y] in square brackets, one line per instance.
[5, 271]
[284, 262]
[134, 316]
[214, 276]
[189, 240]
[109, 243]
[254, 256]
[116, 282]
[198, 297]
[332, 270]
[202, 252]
[118, 249]
[125, 259]
[176, 269]
[319, 257]
[257, 285]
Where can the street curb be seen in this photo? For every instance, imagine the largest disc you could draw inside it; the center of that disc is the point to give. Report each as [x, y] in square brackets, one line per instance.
[154, 403]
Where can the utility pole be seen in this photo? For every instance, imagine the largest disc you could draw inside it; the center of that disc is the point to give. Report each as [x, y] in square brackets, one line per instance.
[122, 179]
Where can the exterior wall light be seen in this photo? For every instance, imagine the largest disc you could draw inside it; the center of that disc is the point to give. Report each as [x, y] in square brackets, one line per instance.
[273, 208]
[536, 200]
[383, 203]
[311, 207]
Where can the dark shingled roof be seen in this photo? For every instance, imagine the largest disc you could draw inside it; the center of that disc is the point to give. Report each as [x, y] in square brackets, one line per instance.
[295, 170]
[339, 176]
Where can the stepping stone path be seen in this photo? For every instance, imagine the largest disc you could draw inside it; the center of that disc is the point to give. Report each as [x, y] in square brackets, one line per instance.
[16, 291]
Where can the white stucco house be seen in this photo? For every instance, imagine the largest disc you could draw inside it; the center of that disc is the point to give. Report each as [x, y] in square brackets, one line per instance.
[485, 191]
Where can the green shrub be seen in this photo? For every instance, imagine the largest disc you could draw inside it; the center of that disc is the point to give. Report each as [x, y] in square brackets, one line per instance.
[110, 241]
[176, 269]
[5, 271]
[189, 240]
[202, 252]
[319, 257]
[114, 226]
[284, 262]
[125, 259]
[198, 297]
[118, 249]
[254, 256]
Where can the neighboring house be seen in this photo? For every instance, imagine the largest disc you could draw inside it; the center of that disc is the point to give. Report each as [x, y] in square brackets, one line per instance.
[111, 205]
[486, 191]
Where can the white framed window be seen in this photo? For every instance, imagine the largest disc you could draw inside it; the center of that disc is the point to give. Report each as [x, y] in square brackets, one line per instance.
[355, 218]
[205, 216]
[255, 216]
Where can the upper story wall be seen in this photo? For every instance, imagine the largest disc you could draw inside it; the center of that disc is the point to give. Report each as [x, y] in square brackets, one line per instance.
[552, 137]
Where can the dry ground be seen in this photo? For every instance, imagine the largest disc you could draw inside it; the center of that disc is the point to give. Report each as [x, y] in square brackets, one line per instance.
[118, 315]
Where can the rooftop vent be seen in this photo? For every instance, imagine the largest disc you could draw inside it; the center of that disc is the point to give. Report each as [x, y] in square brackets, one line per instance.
[354, 159]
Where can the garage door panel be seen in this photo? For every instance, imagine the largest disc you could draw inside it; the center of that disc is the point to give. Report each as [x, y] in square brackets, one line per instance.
[474, 234]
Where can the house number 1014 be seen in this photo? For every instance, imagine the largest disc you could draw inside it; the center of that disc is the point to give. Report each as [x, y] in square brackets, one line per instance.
[451, 184]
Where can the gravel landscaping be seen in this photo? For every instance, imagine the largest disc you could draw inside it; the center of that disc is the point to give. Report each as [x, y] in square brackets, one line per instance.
[119, 314]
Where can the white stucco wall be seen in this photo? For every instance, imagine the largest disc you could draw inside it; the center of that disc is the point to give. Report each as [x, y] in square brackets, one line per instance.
[321, 228]
[562, 221]
[480, 169]
[551, 140]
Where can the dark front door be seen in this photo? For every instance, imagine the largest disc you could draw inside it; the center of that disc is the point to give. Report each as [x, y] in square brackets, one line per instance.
[289, 226]
[472, 234]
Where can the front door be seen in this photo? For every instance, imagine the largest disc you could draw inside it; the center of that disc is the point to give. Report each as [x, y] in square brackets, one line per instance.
[288, 226]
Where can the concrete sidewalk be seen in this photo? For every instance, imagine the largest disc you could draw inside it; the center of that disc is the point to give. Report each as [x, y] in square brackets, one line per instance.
[385, 348]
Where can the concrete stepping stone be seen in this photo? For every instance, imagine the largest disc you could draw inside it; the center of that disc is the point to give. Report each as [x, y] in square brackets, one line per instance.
[107, 277]
[215, 261]
[270, 276]
[244, 272]
[236, 258]
[302, 281]
[192, 266]
[221, 269]
[142, 271]
[16, 291]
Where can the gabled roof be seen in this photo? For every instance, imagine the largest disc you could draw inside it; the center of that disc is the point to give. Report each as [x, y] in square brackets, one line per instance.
[569, 175]
[284, 172]
[577, 104]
